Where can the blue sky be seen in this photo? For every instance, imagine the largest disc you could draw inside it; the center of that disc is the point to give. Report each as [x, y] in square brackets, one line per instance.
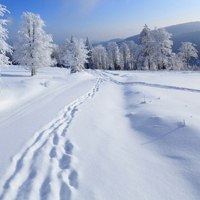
[103, 19]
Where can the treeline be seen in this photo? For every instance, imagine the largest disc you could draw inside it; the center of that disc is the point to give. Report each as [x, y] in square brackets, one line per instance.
[34, 48]
[153, 52]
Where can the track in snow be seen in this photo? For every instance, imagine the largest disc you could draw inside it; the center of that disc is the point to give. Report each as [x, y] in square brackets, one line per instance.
[44, 168]
[168, 87]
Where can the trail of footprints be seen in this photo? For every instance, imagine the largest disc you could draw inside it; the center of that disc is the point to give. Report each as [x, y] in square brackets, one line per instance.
[43, 170]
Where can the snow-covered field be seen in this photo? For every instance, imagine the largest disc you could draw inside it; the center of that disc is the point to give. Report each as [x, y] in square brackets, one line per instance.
[99, 135]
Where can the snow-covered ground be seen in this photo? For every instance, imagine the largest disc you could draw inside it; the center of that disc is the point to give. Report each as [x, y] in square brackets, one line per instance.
[99, 135]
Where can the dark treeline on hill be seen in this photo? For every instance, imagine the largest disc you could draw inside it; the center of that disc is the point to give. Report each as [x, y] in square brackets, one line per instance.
[150, 50]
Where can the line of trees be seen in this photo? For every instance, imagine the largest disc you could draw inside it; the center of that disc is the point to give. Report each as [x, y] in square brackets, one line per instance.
[34, 48]
[153, 52]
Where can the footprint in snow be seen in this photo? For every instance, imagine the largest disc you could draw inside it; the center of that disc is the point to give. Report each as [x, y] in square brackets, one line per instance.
[65, 193]
[45, 189]
[65, 162]
[55, 139]
[68, 147]
[53, 153]
[73, 179]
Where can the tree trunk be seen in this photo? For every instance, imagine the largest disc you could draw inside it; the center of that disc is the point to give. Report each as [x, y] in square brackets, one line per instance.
[149, 64]
[33, 72]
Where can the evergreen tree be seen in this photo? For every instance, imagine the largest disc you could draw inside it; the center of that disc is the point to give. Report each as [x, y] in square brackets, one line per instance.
[89, 64]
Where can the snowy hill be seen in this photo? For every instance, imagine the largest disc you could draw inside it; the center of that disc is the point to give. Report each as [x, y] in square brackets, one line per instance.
[186, 32]
[193, 37]
[99, 135]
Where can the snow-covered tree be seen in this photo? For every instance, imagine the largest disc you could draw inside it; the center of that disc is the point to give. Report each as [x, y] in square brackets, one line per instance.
[162, 45]
[66, 53]
[99, 57]
[175, 62]
[34, 47]
[75, 54]
[80, 55]
[89, 64]
[56, 55]
[122, 65]
[125, 56]
[113, 55]
[188, 51]
[4, 46]
[135, 51]
[147, 49]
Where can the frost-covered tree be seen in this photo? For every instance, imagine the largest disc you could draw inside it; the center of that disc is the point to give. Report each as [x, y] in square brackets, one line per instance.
[80, 55]
[188, 51]
[175, 62]
[4, 46]
[99, 57]
[34, 47]
[135, 51]
[66, 53]
[121, 61]
[147, 49]
[125, 56]
[56, 55]
[75, 54]
[155, 49]
[162, 45]
[113, 55]
[89, 64]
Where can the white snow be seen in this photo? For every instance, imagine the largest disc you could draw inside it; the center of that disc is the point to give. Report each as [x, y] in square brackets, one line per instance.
[99, 135]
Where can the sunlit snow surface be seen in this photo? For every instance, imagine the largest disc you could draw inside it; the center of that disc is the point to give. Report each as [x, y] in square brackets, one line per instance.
[99, 135]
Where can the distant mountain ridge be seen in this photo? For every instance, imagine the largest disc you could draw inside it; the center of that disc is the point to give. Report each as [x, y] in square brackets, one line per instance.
[186, 32]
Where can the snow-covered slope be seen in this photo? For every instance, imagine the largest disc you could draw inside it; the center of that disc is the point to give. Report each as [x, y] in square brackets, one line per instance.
[29, 103]
[100, 135]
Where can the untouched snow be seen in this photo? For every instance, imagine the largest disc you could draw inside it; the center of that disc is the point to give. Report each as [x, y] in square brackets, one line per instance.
[99, 135]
